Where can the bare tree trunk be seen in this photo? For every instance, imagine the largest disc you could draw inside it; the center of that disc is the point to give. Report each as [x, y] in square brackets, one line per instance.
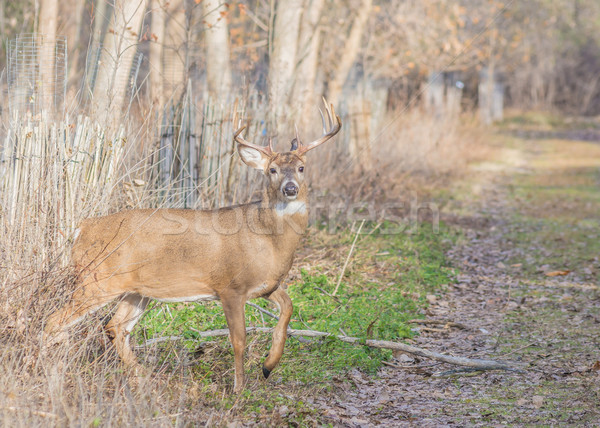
[360, 136]
[216, 40]
[47, 30]
[74, 10]
[2, 19]
[118, 52]
[487, 81]
[489, 89]
[175, 51]
[157, 41]
[99, 20]
[486, 87]
[282, 62]
[434, 93]
[304, 94]
[350, 51]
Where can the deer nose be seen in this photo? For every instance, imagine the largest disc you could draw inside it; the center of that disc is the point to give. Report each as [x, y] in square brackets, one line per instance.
[290, 189]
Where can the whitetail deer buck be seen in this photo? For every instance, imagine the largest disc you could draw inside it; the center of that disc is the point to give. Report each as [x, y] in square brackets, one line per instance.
[232, 254]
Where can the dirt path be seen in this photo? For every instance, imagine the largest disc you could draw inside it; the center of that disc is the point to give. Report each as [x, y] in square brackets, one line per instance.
[527, 291]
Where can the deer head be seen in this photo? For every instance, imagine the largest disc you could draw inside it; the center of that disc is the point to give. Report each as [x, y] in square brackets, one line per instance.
[285, 171]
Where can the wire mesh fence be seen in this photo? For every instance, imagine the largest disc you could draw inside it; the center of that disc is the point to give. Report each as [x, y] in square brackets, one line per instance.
[37, 74]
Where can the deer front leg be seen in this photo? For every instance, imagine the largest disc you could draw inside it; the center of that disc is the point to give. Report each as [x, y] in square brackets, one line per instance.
[128, 313]
[236, 321]
[281, 299]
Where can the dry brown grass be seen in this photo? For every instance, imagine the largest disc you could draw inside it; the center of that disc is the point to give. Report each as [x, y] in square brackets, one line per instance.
[411, 152]
[424, 148]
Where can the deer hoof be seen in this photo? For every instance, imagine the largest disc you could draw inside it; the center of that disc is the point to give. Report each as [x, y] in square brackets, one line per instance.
[266, 372]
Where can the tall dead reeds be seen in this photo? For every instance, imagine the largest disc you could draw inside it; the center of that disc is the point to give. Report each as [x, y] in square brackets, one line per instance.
[52, 176]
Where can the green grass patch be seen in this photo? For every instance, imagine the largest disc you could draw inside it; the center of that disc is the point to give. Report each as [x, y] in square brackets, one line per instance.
[543, 120]
[383, 287]
[533, 119]
[556, 223]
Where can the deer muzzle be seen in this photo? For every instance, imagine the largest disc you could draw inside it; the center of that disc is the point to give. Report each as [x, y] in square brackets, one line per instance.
[290, 189]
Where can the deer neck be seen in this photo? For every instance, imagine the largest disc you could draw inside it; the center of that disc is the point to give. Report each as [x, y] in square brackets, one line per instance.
[288, 218]
[295, 208]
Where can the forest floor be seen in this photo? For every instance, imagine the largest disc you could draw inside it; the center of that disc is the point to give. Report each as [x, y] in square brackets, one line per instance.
[528, 265]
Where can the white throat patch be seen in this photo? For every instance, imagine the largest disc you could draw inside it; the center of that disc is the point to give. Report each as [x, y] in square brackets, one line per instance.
[290, 208]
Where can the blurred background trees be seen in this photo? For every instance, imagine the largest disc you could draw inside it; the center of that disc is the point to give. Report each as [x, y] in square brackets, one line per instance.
[138, 107]
[400, 73]
[292, 52]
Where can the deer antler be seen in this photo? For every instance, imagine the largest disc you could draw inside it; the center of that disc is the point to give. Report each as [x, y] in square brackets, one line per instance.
[334, 128]
[268, 150]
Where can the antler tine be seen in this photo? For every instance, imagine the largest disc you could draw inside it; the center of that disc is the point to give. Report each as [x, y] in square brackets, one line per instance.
[330, 112]
[268, 150]
[323, 120]
[296, 140]
[296, 128]
[238, 132]
[334, 128]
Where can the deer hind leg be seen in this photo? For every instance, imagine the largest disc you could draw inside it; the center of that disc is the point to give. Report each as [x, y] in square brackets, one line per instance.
[281, 299]
[236, 321]
[86, 299]
[128, 313]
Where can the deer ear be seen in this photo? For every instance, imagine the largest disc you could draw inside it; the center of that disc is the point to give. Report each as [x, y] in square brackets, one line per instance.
[252, 157]
[294, 144]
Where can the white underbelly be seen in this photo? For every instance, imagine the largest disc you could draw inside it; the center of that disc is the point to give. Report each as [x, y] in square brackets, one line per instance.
[198, 298]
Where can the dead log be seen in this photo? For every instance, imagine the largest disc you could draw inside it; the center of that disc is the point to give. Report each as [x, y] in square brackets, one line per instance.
[480, 364]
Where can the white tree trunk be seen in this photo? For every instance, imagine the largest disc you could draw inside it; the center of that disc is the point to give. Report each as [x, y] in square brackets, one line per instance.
[282, 64]
[118, 52]
[74, 10]
[304, 93]
[46, 53]
[216, 40]
[349, 52]
[99, 19]
[175, 51]
[157, 40]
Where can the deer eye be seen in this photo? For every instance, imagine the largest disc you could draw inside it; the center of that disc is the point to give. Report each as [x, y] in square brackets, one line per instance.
[273, 171]
[301, 169]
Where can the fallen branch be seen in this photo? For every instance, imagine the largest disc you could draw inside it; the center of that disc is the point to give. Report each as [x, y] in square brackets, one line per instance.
[33, 412]
[424, 370]
[477, 363]
[156, 340]
[272, 315]
[263, 310]
[440, 322]
[399, 366]
[327, 294]
[465, 371]
[434, 330]
[521, 348]
[459, 361]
